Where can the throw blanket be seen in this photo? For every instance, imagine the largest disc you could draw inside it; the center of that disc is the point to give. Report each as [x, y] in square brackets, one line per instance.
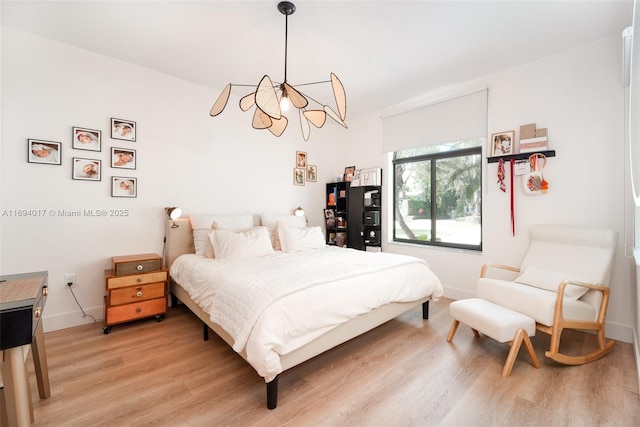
[236, 292]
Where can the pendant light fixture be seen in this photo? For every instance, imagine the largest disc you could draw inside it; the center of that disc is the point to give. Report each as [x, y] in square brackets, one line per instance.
[271, 98]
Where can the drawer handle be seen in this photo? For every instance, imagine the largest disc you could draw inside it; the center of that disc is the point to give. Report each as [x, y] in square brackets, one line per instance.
[139, 279]
[139, 267]
[45, 291]
[139, 293]
[37, 312]
[138, 310]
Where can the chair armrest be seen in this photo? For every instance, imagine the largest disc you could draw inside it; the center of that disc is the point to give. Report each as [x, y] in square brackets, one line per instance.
[560, 297]
[484, 268]
[564, 284]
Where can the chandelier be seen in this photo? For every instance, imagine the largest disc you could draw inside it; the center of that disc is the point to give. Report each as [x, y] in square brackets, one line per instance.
[272, 98]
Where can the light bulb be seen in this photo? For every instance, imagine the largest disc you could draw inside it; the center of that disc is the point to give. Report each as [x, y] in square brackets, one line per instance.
[284, 103]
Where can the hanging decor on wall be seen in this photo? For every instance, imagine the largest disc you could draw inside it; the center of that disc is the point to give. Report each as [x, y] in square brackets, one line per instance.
[271, 99]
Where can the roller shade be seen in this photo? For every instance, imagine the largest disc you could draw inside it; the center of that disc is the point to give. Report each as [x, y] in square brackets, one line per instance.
[454, 119]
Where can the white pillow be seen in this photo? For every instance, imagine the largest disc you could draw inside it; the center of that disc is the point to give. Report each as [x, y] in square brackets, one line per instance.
[251, 243]
[550, 280]
[294, 239]
[271, 222]
[201, 225]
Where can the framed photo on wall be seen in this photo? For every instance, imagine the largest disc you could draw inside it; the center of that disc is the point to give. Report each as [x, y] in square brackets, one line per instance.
[45, 152]
[87, 139]
[123, 158]
[301, 159]
[312, 173]
[123, 129]
[502, 143]
[86, 169]
[124, 186]
[298, 176]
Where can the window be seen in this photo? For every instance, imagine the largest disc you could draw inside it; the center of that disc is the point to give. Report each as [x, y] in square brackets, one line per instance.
[438, 195]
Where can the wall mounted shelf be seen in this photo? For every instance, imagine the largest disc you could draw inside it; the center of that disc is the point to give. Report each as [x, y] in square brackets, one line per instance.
[520, 156]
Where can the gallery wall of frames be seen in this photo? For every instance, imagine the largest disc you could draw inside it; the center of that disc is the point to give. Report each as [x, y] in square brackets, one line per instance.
[87, 161]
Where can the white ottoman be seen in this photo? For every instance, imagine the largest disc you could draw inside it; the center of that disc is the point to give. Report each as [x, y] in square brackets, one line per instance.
[497, 322]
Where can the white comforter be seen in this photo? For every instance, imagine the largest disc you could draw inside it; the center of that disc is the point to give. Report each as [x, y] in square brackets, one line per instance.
[275, 304]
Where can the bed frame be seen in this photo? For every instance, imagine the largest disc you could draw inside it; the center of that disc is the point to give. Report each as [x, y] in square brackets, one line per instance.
[179, 240]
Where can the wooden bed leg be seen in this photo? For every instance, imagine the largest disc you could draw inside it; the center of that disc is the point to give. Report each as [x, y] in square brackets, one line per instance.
[272, 393]
[205, 332]
[425, 310]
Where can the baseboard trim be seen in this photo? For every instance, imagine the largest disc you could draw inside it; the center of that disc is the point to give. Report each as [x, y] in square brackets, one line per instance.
[74, 318]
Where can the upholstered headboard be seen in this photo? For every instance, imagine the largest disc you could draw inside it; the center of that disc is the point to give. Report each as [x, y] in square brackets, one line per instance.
[179, 239]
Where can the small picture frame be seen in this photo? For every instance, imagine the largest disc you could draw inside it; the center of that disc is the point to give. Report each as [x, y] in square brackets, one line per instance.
[123, 129]
[301, 159]
[502, 143]
[86, 169]
[298, 176]
[330, 218]
[124, 186]
[123, 158]
[86, 139]
[312, 173]
[44, 152]
[349, 172]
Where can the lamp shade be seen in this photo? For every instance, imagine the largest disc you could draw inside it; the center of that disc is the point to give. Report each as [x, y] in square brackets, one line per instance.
[173, 212]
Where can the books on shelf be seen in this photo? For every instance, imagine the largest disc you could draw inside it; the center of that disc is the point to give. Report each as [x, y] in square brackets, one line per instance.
[532, 145]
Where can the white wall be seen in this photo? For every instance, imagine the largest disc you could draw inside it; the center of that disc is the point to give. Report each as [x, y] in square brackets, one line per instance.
[221, 165]
[185, 158]
[579, 96]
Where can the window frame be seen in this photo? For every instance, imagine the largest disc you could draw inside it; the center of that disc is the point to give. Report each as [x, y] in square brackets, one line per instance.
[433, 158]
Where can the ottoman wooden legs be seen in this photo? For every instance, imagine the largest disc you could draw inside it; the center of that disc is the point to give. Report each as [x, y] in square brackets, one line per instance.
[498, 323]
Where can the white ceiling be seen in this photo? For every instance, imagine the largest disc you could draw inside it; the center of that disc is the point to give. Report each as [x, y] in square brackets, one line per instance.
[384, 52]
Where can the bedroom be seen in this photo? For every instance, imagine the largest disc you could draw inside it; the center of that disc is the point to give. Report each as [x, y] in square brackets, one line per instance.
[190, 160]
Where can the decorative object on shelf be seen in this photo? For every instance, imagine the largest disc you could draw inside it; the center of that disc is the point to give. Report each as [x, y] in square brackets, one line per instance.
[45, 152]
[269, 106]
[533, 139]
[330, 218]
[86, 169]
[173, 213]
[349, 171]
[124, 186]
[501, 176]
[123, 129]
[534, 182]
[123, 158]
[502, 143]
[298, 176]
[86, 139]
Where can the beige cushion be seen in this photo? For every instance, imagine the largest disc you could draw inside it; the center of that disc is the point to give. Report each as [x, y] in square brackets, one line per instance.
[550, 280]
[536, 303]
[495, 321]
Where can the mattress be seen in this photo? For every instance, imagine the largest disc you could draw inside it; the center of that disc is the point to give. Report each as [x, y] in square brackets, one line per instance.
[275, 304]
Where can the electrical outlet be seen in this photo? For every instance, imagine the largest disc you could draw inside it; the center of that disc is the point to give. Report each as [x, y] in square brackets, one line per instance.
[70, 278]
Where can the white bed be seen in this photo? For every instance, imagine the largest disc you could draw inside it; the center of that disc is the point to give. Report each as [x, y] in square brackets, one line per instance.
[293, 310]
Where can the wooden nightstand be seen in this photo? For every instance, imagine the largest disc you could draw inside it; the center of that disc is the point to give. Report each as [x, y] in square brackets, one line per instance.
[136, 288]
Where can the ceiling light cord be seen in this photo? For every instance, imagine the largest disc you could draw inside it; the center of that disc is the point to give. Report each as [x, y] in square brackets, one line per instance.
[286, 40]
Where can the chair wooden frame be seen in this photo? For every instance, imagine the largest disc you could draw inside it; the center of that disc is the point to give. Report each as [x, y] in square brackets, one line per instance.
[560, 323]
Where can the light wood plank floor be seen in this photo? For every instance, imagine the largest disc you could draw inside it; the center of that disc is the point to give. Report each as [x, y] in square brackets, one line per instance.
[403, 373]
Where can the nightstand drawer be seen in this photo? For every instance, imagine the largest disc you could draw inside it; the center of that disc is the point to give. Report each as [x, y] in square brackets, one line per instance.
[114, 282]
[136, 293]
[136, 264]
[139, 310]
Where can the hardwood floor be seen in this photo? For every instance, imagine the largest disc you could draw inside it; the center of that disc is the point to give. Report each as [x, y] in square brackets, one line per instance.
[403, 373]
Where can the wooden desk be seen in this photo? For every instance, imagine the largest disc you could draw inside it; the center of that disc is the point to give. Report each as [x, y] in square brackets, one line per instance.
[22, 299]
